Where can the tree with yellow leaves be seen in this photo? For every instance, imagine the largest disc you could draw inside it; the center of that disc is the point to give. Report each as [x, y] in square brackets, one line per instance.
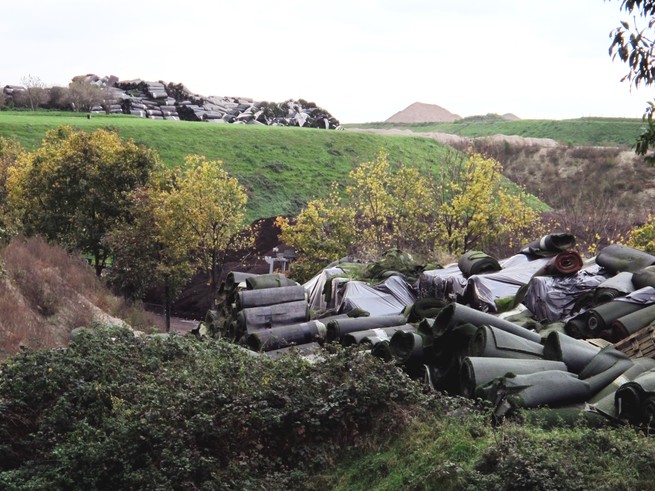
[210, 206]
[323, 232]
[413, 210]
[9, 152]
[74, 188]
[475, 209]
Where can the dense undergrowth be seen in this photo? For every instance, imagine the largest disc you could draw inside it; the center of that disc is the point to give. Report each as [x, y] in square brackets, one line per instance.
[114, 411]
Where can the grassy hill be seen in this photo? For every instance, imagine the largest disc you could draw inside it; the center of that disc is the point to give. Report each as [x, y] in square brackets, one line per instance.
[582, 131]
[282, 167]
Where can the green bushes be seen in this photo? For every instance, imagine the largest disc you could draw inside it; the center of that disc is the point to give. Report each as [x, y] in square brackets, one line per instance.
[117, 412]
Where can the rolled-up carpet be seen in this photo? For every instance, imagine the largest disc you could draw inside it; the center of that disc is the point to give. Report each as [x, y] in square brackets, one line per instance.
[270, 296]
[550, 245]
[564, 263]
[455, 313]
[234, 278]
[578, 326]
[425, 308]
[381, 350]
[337, 328]
[407, 347]
[616, 258]
[640, 366]
[284, 336]
[356, 337]
[576, 354]
[629, 397]
[273, 280]
[631, 323]
[603, 368]
[477, 262]
[493, 342]
[601, 317]
[644, 277]
[551, 388]
[446, 357]
[269, 316]
[477, 371]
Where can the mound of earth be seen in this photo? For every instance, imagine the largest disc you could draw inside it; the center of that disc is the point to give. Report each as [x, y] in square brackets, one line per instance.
[420, 112]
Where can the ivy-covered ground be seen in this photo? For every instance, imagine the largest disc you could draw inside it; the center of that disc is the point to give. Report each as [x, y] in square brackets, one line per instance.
[114, 411]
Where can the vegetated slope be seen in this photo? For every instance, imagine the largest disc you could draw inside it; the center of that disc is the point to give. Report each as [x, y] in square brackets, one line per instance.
[45, 293]
[282, 167]
[583, 131]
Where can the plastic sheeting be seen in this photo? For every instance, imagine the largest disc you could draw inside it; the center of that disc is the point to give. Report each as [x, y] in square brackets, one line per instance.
[552, 298]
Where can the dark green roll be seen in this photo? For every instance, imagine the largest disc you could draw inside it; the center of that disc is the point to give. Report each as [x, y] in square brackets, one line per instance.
[381, 333]
[338, 328]
[455, 313]
[477, 262]
[616, 258]
[425, 308]
[603, 368]
[575, 353]
[644, 277]
[234, 278]
[270, 296]
[601, 317]
[407, 347]
[269, 316]
[550, 388]
[493, 342]
[631, 323]
[550, 244]
[477, 371]
[381, 350]
[273, 280]
[285, 336]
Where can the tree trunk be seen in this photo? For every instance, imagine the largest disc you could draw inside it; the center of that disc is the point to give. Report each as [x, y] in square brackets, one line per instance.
[167, 304]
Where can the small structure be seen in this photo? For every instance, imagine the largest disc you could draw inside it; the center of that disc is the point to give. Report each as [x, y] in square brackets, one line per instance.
[281, 259]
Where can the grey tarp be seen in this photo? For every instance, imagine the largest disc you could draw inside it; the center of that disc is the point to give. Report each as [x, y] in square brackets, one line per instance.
[358, 294]
[316, 286]
[552, 298]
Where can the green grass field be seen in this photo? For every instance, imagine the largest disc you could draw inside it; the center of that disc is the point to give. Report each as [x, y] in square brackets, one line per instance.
[583, 131]
[282, 167]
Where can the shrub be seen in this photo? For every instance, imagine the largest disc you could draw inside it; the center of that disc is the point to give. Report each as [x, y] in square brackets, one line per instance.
[117, 412]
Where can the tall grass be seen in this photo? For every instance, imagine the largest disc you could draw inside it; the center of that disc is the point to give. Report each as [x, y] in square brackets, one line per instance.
[45, 292]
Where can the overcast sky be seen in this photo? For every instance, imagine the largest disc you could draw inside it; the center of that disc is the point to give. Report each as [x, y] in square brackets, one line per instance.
[362, 60]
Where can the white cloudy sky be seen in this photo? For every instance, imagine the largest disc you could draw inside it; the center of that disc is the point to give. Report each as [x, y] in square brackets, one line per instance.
[362, 60]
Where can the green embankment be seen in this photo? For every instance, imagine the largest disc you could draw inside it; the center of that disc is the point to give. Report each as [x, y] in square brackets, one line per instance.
[282, 167]
[582, 131]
